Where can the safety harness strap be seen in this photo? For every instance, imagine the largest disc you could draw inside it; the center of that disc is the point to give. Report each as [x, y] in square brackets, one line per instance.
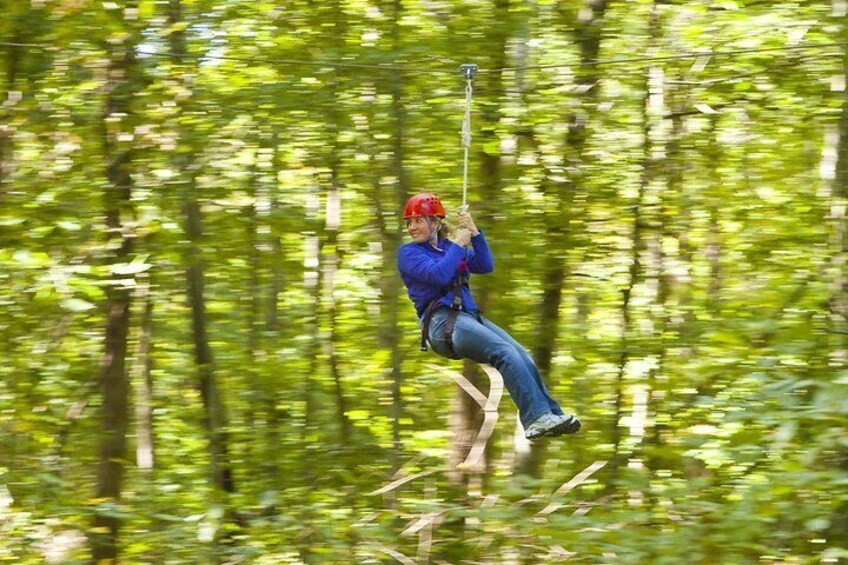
[459, 281]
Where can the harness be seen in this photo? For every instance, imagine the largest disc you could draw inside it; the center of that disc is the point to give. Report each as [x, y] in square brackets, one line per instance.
[459, 281]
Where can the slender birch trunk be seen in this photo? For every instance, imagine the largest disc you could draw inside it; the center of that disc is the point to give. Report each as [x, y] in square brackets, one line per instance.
[145, 442]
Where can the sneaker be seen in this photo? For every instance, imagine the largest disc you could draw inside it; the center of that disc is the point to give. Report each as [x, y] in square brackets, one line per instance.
[566, 425]
[544, 425]
[552, 425]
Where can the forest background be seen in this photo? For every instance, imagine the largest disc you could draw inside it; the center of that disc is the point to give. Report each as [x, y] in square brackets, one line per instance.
[207, 353]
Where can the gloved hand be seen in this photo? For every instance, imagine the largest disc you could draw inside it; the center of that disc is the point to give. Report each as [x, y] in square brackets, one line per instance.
[463, 220]
[462, 237]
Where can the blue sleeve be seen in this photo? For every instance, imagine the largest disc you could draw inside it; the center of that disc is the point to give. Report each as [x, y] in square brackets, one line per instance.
[481, 261]
[419, 265]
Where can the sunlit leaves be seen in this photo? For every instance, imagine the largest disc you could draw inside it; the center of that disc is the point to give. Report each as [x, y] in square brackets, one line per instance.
[734, 405]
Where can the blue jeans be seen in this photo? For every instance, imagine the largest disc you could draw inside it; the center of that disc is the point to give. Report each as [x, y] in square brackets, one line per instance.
[484, 342]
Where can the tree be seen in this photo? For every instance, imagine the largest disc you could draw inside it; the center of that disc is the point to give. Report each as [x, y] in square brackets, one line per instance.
[587, 25]
[215, 417]
[121, 84]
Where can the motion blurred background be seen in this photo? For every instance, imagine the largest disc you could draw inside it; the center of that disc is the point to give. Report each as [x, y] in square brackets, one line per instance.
[207, 353]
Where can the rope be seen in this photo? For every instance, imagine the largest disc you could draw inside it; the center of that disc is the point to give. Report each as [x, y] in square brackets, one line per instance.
[468, 71]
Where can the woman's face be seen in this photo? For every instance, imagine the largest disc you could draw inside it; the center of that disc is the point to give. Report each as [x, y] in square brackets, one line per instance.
[419, 229]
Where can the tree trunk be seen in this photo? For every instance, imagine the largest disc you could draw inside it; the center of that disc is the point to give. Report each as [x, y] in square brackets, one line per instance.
[644, 216]
[332, 224]
[144, 383]
[838, 306]
[255, 356]
[113, 426]
[114, 381]
[392, 237]
[389, 282]
[330, 266]
[587, 35]
[309, 472]
[213, 406]
[276, 417]
[714, 244]
[215, 419]
[635, 273]
[13, 57]
[311, 283]
[665, 165]
[467, 417]
[839, 231]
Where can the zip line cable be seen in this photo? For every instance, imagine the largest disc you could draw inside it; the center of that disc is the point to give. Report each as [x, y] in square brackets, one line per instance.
[293, 62]
[683, 56]
[419, 70]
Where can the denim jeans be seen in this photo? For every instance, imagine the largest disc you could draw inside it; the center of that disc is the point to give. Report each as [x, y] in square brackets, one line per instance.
[484, 342]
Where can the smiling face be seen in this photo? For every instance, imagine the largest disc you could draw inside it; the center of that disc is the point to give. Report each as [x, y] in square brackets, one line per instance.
[420, 229]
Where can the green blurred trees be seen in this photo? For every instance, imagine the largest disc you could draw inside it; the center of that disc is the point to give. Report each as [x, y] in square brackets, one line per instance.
[669, 235]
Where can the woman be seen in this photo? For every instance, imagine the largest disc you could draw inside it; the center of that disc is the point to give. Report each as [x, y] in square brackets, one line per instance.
[435, 270]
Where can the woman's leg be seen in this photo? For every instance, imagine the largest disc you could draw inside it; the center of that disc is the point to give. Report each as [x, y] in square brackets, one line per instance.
[531, 365]
[436, 337]
[478, 342]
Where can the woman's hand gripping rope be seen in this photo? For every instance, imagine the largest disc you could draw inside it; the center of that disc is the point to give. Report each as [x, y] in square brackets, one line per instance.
[464, 221]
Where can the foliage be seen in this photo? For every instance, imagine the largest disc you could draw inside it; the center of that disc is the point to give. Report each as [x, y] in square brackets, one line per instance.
[732, 396]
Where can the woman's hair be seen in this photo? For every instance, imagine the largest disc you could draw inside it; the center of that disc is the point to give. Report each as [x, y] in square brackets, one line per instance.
[444, 229]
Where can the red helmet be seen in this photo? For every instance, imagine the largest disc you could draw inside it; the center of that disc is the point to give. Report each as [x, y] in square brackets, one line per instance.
[424, 204]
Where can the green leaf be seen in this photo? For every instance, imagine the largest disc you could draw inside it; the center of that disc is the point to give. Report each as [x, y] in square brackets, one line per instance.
[77, 305]
[137, 265]
[817, 524]
[31, 259]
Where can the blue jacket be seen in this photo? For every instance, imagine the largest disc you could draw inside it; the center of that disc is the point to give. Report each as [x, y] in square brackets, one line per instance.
[428, 272]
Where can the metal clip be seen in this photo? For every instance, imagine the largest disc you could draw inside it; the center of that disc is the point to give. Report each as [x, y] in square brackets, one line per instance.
[468, 70]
